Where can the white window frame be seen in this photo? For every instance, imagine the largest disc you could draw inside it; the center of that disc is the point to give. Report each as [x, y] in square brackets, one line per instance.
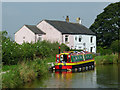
[91, 39]
[80, 37]
[66, 37]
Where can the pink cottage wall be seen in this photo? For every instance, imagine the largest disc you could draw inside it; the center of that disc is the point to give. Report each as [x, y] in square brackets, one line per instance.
[24, 32]
[52, 34]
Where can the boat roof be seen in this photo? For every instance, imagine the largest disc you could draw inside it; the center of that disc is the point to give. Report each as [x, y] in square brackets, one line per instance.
[75, 53]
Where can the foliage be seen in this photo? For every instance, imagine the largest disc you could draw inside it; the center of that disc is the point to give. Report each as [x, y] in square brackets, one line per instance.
[11, 79]
[12, 53]
[104, 51]
[8, 67]
[114, 46]
[23, 72]
[107, 26]
[106, 59]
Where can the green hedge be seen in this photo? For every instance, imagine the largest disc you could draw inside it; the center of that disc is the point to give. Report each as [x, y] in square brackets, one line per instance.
[12, 53]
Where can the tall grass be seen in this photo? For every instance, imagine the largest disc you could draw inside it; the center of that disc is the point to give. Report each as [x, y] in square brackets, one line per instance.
[106, 59]
[24, 72]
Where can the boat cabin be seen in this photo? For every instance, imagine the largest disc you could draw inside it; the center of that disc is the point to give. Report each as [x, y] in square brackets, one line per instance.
[73, 57]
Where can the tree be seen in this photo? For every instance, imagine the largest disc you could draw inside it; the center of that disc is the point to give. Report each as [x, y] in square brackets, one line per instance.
[107, 25]
[114, 46]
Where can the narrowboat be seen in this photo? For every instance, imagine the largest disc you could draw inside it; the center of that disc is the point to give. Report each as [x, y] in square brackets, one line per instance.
[72, 60]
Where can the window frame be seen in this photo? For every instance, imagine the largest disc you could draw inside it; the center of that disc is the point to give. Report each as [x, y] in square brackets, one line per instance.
[66, 37]
[91, 39]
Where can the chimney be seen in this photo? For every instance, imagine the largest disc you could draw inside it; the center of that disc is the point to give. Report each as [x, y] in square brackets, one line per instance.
[67, 19]
[78, 20]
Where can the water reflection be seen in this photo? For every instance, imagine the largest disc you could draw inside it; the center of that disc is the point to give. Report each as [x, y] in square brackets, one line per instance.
[105, 76]
[63, 75]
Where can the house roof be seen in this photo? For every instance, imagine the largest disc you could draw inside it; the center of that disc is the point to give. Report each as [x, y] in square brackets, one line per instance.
[70, 28]
[34, 29]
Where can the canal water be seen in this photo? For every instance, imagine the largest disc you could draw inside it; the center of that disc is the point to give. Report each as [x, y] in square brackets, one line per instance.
[103, 76]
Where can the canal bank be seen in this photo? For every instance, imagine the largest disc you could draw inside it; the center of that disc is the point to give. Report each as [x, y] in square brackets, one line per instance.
[27, 73]
[103, 76]
[24, 72]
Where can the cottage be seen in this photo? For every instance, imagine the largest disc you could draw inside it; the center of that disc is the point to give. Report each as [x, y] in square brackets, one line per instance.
[74, 35]
[28, 33]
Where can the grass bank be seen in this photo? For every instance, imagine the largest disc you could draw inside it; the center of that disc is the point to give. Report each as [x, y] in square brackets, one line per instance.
[24, 72]
[106, 59]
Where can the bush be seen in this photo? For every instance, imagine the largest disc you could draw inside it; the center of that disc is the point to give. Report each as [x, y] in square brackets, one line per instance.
[13, 53]
[106, 59]
[104, 51]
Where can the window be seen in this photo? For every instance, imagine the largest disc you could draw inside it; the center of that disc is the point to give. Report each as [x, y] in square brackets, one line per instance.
[24, 37]
[84, 44]
[79, 39]
[76, 38]
[39, 38]
[39, 35]
[91, 49]
[91, 39]
[66, 38]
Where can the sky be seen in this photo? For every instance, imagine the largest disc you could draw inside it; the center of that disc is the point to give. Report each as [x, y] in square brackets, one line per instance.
[16, 14]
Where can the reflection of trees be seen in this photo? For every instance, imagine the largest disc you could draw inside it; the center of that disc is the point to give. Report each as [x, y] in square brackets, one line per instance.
[119, 76]
[107, 76]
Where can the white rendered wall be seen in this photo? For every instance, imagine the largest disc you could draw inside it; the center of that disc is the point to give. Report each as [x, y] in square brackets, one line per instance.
[24, 32]
[70, 42]
[85, 39]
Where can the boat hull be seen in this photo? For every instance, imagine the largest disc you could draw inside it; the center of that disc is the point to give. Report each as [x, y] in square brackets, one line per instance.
[81, 64]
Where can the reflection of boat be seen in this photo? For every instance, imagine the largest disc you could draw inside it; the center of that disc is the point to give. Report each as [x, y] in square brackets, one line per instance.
[74, 60]
[63, 75]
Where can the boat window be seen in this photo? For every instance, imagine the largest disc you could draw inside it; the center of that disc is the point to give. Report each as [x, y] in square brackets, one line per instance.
[81, 58]
[65, 58]
[61, 58]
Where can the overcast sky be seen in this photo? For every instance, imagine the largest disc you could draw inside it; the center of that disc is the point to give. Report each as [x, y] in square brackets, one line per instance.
[16, 14]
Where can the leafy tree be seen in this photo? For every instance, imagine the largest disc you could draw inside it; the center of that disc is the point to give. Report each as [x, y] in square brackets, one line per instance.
[114, 46]
[107, 25]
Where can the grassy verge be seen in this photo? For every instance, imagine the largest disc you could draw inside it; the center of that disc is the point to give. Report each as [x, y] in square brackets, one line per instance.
[106, 59]
[8, 67]
[24, 72]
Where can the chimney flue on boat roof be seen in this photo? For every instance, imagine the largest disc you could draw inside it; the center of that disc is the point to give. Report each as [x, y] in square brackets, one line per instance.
[59, 49]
